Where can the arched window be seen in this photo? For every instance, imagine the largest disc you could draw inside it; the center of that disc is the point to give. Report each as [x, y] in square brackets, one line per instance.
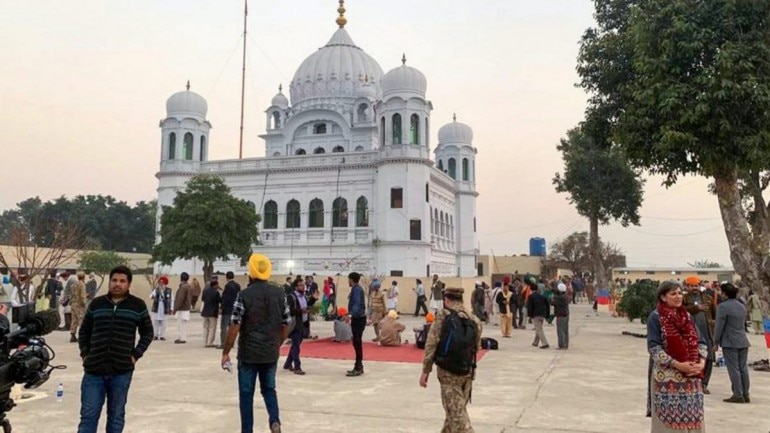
[441, 165]
[172, 146]
[435, 221]
[382, 131]
[188, 146]
[203, 147]
[300, 152]
[319, 150]
[359, 148]
[441, 224]
[340, 212]
[270, 215]
[276, 120]
[466, 169]
[316, 212]
[362, 212]
[292, 214]
[414, 129]
[338, 149]
[276, 153]
[431, 220]
[451, 227]
[362, 118]
[319, 128]
[427, 131]
[452, 168]
[396, 128]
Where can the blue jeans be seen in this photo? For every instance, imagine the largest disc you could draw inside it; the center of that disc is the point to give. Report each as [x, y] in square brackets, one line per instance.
[247, 379]
[293, 361]
[93, 390]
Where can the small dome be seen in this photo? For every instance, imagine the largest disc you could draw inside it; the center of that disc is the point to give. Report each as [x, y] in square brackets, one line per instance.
[404, 79]
[455, 132]
[186, 103]
[280, 99]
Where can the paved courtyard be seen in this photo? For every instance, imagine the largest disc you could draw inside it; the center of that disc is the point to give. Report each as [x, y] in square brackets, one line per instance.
[599, 385]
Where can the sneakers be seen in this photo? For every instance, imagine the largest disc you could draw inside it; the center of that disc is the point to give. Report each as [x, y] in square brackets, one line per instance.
[275, 428]
[354, 373]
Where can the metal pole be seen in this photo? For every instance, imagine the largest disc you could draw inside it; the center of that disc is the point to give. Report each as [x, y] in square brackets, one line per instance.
[243, 75]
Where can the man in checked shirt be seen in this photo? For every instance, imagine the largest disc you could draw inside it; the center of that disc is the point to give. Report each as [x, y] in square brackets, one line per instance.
[262, 318]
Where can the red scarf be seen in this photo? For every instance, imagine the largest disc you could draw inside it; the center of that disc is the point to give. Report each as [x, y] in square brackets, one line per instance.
[679, 331]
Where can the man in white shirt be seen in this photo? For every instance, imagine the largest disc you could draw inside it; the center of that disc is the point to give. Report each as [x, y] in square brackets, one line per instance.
[391, 301]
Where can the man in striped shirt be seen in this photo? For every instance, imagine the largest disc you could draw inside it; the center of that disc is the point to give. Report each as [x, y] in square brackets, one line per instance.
[109, 351]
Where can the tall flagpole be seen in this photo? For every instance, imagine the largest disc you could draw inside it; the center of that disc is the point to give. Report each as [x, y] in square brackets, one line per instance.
[243, 75]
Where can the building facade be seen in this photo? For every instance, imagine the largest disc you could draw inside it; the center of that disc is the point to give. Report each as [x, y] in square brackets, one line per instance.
[348, 181]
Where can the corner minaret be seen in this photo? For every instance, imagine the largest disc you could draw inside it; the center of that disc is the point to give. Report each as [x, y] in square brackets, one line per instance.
[185, 130]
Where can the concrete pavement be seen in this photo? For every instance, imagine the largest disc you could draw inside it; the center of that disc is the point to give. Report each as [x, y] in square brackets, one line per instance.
[597, 386]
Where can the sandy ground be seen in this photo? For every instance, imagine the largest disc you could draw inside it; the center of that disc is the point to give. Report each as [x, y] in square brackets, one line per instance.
[598, 385]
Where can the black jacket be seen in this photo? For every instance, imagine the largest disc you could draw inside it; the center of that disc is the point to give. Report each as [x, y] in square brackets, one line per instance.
[108, 335]
[505, 308]
[211, 300]
[264, 313]
[294, 308]
[229, 295]
[560, 305]
[537, 305]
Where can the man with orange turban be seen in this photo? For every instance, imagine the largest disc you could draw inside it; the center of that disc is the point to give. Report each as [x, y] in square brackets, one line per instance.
[261, 317]
[701, 307]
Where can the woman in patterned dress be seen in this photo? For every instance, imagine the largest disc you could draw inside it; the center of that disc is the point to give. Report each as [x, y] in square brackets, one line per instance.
[678, 356]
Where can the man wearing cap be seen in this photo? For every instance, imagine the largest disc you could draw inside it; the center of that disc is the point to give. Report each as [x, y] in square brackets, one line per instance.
[391, 329]
[182, 307]
[701, 307]
[261, 317]
[561, 311]
[455, 389]
[357, 319]
[161, 307]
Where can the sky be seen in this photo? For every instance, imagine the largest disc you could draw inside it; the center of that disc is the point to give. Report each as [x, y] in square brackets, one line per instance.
[83, 87]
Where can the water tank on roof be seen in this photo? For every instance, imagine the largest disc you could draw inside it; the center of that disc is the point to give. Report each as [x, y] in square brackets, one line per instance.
[537, 247]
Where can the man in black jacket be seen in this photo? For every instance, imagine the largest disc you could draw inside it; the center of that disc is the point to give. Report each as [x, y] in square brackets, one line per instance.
[109, 351]
[538, 309]
[211, 300]
[229, 295]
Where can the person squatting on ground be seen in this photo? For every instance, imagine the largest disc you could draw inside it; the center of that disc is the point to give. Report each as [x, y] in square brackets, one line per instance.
[299, 307]
[229, 294]
[182, 306]
[78, 301]
[538, 309]
[455, 358]
[731, 336]
[377, 310]
[561, 311]
[161, 307]
[211, 300]
[357, 319]
[701, 308]
[261, 317]
[391, 329]
[110, 352]
[677, 357]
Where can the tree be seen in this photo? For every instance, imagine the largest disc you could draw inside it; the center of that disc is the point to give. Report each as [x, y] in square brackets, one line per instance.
[101, 263]
[208, 223]
[685, 87]
[601, 185]
[571, 252]
[638, 301]
[705, 264]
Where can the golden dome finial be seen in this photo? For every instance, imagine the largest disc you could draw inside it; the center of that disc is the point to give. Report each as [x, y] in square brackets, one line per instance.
[341, 20]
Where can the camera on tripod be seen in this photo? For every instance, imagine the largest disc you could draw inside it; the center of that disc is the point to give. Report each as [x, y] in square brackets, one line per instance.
[29, 364]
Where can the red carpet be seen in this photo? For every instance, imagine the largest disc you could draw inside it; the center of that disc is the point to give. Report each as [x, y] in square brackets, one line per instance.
[327, 349]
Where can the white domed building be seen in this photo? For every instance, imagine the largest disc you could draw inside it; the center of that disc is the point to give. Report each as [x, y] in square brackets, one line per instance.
[347, 182]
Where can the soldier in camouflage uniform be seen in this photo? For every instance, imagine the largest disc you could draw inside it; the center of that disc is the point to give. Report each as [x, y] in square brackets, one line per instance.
[455, 389]
[78, 299]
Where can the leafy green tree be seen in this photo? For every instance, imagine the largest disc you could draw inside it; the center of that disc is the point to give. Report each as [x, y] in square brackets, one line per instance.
[208, 223]
[685, 89]
[101, 263]
[602, 187]
[638, 301]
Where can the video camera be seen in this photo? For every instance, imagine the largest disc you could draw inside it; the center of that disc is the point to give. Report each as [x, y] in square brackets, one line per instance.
[29, 364]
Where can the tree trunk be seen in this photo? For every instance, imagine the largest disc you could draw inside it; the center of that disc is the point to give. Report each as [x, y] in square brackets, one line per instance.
[745, 254]
[208, 270]
[597, 264]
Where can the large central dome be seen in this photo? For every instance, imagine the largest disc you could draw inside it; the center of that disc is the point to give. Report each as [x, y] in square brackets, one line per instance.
[333, 73]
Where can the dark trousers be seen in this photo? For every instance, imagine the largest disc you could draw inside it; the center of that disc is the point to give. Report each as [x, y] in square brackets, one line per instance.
[420, 304]
[93, 391]
[562, 331]
[736, 361]
[292, 361]
[247, 381]
[357, 326]
[520, 312]
[194, 301]
[224, 327]
[707, 371]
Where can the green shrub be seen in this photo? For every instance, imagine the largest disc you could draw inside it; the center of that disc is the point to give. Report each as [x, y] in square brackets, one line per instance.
[639, 300]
